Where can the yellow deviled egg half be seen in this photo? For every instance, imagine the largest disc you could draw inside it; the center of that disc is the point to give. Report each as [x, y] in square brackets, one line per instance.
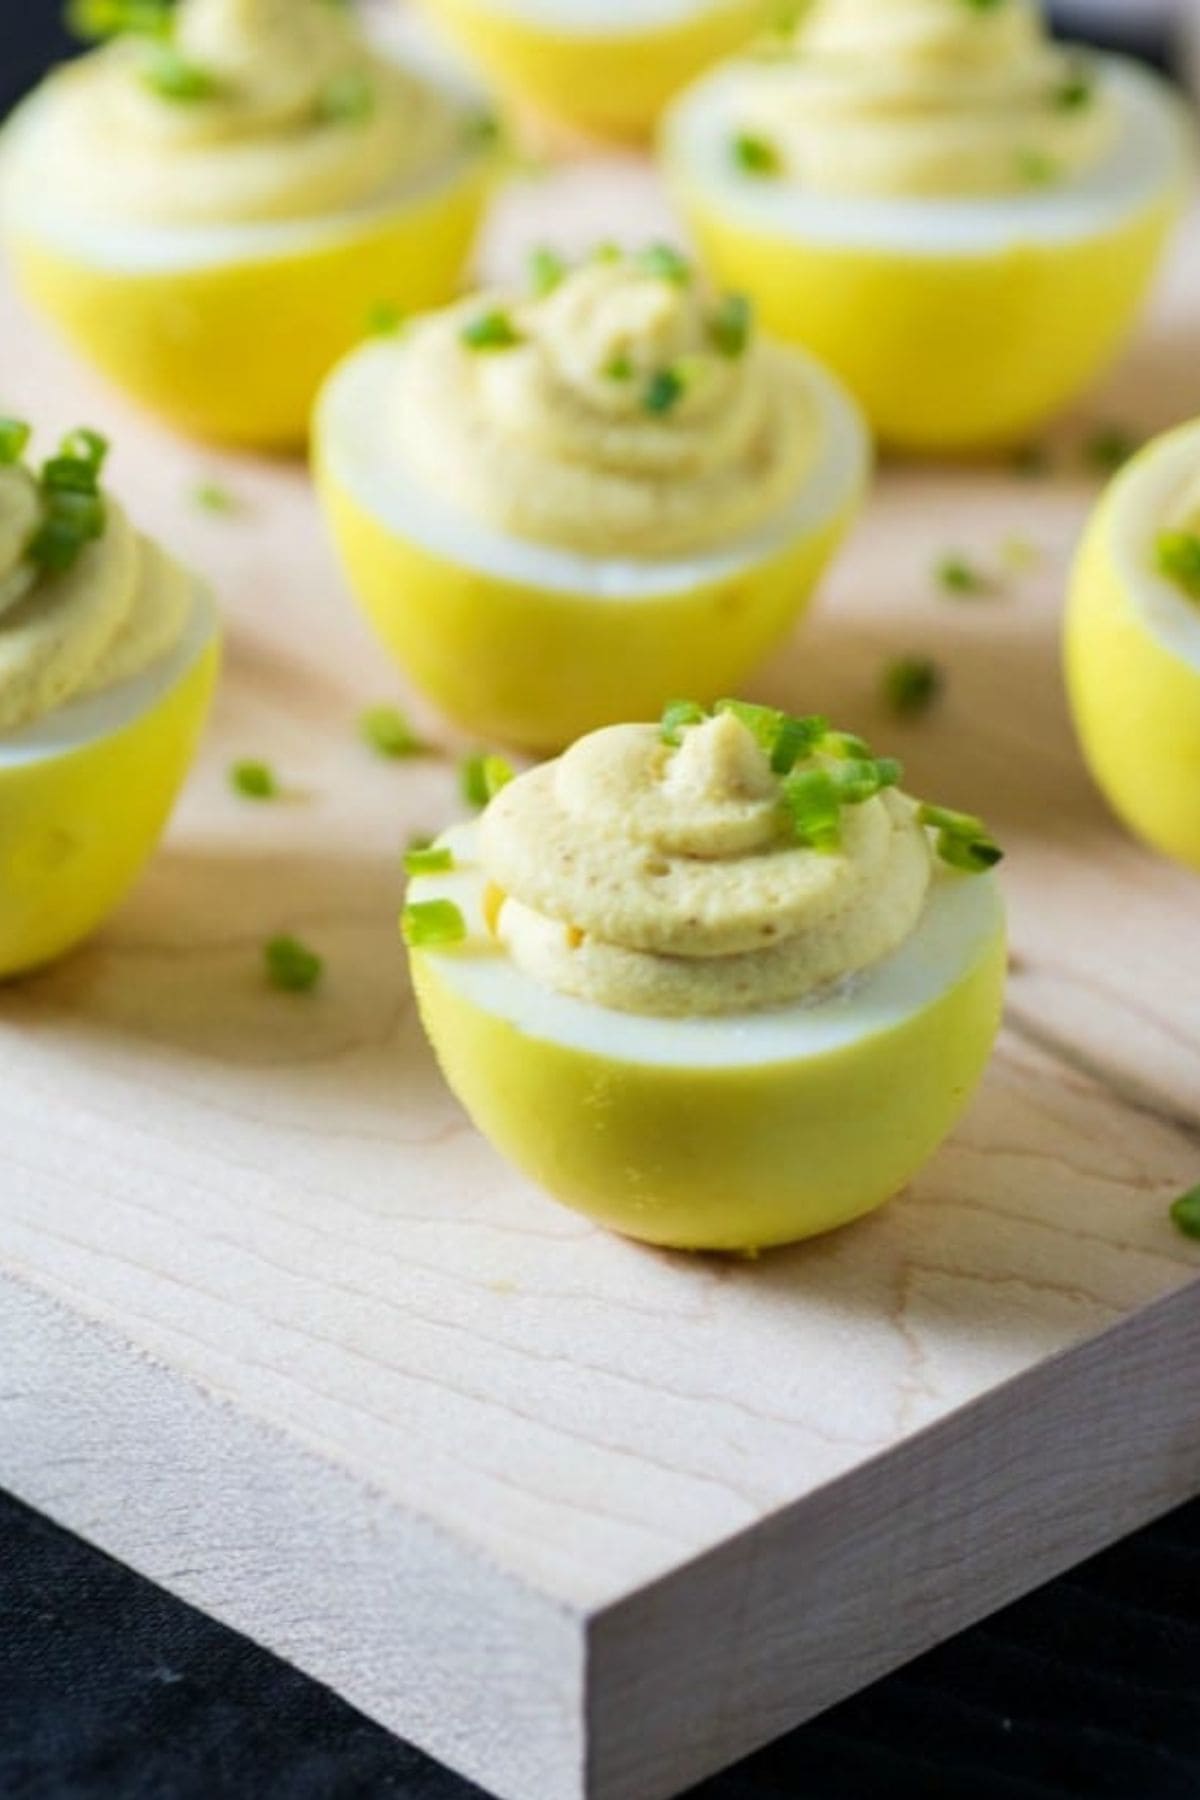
[609, 66]
[211, 204]
[1133, 645]
[108, 655]
[563, 505]
[958, 215]
[717, 983]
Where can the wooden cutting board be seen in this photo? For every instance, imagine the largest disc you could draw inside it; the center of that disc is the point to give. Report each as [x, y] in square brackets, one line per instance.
[586, 1520]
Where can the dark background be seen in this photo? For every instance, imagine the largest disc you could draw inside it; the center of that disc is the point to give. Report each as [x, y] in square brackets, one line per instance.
[111, 1690]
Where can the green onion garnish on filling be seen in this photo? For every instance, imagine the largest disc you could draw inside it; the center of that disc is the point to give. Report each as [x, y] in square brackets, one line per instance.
[428, 859]
[963, 841]
[547, 270]
[291, 966]
[173, 77]
[1035, 168]
[755, 155]
[385, 730]
[1186, 1213]
[619, 368]
[911, 685]
[481, 777]
[73, 509]
[14, 440]
[1177, 554]
[347, 99]
[384, 319]
[663, 392]
[731, 325]
[254, 781]
[98, 19]
[215, 497]
[677, 714]
[664, 261]
[849, 774]
[813, 800]
[492, 330]
[426, 924]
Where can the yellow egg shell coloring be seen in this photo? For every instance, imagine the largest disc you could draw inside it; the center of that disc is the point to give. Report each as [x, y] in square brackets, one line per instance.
[227, 332]
[85, 793]
[960, 324]
[732, 1133]
[1133, 655]
[533, 645]
[608, 69]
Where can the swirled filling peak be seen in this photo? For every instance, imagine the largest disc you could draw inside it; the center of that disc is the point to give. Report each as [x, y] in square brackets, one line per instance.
[616, 408]
[233, 112]
[924, 98]
[85, 601]
[714, 863]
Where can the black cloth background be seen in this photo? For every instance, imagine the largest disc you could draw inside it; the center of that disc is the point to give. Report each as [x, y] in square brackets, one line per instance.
[111, 1690]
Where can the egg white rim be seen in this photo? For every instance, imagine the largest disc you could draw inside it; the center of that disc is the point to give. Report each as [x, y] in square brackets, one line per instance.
[615, 19]
[82, 722]
[1153, 153]
[163, 249]
[353, 432]
[1140, 501]
[960, 923]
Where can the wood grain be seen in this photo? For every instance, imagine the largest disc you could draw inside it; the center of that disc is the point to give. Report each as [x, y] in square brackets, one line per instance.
[583, 1519]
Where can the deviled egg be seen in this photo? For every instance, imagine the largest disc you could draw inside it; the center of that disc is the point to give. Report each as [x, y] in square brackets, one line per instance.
[1133, 645]
[609, 66]
[956, 214]
[211, 204]
[717, 983]
[559, 507]
[108, 655]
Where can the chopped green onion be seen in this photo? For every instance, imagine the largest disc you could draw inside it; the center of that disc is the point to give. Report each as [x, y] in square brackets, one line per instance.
[347, 99]
[386, 730]
[1035, 168]
[731, 325]
[254, 781]
[98, 19]
[481, 128]
[984, 5]
[291, 966]
[547, 270]
[755, 155]
[664, 261]
[491, 331]
[958, 576]
[1109, 448]
[173, 77]
[843, 743]
[428, 859]
[607, 252]
[74, 512]
[482, 776]
[428, 924]
[1077, 91]
[215, 497]
[963, 840]
[784, 739]
[619, 368]
[1031, 460]
[1019, 554]
[14, 440]
[676, 715]
[812, 799]
[664, 390]
[1178, 557]
[384, 319]
[1186, 1213]
[911, 685]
